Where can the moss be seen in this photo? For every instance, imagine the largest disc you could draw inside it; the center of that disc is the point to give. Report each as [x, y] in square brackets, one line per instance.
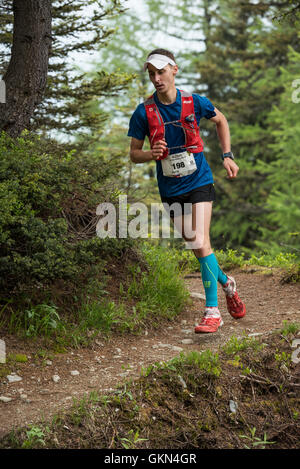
[4, 371]
[17, 358]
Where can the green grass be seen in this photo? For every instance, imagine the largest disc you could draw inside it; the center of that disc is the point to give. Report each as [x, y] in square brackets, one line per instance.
[100, 315]
[236, 344]
[289, 328]
[39, 320]
[230, 259]
[254, 441]
[150, 296]
[34, 437]
[159, 292]
[17, 358]
[206, 361]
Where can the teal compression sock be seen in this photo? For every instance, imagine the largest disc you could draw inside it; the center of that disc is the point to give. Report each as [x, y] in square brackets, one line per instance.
[211, 275]
[209, 272]
[222, 278]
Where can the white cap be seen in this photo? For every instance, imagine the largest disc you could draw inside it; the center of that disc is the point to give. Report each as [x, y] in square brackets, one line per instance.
[159, 61]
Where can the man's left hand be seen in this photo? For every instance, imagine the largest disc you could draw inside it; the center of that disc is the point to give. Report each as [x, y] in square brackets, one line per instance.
[231, 168]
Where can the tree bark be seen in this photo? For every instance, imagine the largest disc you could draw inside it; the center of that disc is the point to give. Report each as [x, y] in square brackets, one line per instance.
[26, 75]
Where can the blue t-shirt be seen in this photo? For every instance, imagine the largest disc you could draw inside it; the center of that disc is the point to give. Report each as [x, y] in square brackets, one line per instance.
[174, 135]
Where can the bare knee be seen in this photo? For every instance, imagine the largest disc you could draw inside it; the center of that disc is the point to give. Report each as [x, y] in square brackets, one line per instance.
[203, 252]
[200, 245]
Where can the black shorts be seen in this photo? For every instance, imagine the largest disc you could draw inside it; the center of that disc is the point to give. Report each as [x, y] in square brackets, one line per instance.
[205, 193]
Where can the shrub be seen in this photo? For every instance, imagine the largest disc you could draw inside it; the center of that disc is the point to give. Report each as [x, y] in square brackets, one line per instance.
[48, 200]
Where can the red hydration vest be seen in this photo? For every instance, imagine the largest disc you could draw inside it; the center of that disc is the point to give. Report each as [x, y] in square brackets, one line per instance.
[187, 121]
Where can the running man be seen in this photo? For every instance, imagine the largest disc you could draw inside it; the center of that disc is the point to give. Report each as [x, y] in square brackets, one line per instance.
[170, 119]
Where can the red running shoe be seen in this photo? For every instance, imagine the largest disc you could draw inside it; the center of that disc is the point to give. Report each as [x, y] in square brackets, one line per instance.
[235, 305]
[210, 323]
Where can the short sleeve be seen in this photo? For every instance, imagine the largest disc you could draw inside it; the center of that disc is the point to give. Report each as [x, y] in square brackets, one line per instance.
[203, 107]
[138, 124]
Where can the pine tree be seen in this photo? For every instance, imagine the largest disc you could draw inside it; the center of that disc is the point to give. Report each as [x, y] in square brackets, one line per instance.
[256, 77]
[65, 106]
[237, 66]
[125, 53]
[26, 75]
[281, 232]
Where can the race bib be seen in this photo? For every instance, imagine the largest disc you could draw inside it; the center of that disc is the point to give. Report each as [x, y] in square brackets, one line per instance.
[179, 164]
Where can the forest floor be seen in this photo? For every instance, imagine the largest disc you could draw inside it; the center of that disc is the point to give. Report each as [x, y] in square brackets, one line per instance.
[109, 362]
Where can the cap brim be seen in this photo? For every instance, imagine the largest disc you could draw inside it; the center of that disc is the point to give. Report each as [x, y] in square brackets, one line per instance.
[159, 64]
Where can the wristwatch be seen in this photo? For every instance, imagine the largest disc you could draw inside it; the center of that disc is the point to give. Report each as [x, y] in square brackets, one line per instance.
[229, 154]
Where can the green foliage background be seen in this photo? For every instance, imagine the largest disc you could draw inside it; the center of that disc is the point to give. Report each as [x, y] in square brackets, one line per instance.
[236, 53]
[244, 58]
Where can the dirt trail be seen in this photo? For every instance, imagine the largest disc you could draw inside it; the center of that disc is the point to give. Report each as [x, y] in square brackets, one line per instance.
[107, 364]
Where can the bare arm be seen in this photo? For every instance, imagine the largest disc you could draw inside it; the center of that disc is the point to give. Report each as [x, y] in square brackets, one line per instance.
[222, 129]
[138, 155]
[223, 132]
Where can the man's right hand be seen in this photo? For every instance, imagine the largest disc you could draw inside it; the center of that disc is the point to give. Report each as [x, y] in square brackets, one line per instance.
[158, 149]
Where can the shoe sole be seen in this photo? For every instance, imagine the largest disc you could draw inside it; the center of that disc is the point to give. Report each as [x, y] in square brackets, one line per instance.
[209, 332]
[238, 315]
[234, 316]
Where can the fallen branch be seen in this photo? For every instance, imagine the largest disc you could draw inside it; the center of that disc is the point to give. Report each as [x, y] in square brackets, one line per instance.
[260, 379]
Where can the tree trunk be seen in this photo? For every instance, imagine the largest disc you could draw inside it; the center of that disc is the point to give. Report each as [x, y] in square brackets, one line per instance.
[26, 76]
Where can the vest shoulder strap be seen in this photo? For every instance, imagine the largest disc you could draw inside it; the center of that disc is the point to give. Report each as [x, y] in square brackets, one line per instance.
[148, 101]
[185, 94]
